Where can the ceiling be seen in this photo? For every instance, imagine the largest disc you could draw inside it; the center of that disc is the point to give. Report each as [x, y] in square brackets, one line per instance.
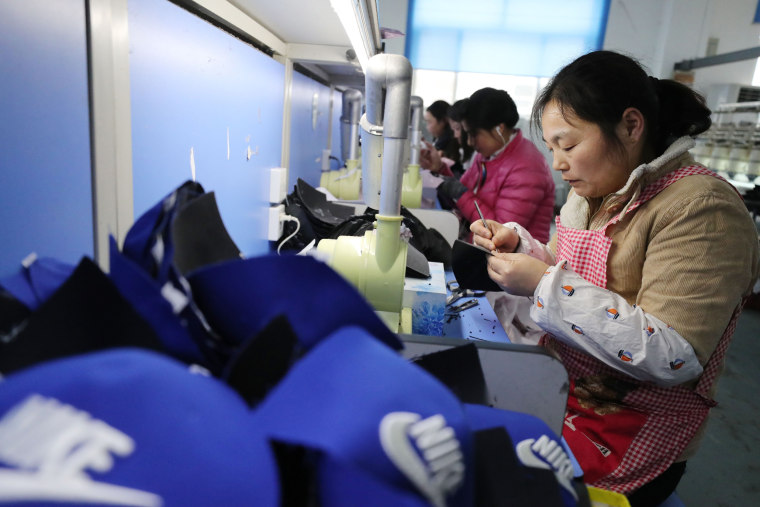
[297, 21]
[311, 22]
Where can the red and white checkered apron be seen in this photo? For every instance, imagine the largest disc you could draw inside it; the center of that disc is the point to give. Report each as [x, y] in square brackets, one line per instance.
[651, 426]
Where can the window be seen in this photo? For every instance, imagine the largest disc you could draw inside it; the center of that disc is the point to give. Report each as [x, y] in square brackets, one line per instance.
[514, 37]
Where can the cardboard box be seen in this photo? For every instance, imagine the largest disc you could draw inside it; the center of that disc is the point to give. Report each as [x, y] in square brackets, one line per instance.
[427, 299]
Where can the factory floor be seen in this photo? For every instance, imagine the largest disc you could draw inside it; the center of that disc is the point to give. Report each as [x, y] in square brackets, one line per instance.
[726, 470]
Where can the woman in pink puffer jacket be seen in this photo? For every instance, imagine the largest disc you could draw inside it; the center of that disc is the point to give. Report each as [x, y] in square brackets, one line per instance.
[509, 178]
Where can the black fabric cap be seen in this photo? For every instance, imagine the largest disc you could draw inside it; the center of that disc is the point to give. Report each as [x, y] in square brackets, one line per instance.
[470, 266]
[319, 207]
[87, 313]
[502, 481]
[13, 315]
[199, 235]
[265, 359]
[459, 369]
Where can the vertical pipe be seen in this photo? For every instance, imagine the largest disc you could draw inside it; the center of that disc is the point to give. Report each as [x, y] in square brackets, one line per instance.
[389, 85]
[352, 112]
[353, 136]
[416, 130]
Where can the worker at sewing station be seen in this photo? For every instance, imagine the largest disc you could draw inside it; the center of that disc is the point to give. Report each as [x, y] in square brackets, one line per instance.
[640, 289]
[509, 178]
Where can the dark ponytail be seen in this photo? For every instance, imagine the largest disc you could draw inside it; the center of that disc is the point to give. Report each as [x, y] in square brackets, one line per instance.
[597, 87]
[682, 112]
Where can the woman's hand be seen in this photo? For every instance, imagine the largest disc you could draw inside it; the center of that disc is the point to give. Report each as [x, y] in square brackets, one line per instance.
[430, 158]
[495, 238]
[517, 274]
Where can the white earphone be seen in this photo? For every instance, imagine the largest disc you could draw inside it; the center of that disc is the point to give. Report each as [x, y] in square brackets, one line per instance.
[498, 131]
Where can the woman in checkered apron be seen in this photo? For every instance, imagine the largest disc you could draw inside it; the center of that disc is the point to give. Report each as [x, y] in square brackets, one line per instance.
[640, 289]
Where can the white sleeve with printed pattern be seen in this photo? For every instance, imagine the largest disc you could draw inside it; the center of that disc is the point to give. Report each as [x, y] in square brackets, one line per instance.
[531, 246]
[603, 324]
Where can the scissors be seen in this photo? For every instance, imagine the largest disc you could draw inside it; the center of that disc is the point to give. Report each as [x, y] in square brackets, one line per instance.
[458, 293]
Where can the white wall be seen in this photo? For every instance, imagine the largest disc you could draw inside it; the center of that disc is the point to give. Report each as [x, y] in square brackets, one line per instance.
[661, 33]
[393, 14]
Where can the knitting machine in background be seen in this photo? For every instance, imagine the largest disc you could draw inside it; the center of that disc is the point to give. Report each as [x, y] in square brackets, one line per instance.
[731, 146]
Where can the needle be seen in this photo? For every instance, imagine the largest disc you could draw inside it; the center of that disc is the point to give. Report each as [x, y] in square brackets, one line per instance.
[481, 214]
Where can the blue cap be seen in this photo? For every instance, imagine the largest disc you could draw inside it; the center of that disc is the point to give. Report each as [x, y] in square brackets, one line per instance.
[365, 407]
[129, 427]
[535, 444]
[239, 298]
[145, 296]
[150, 247]
[344, 485]
[149, 242]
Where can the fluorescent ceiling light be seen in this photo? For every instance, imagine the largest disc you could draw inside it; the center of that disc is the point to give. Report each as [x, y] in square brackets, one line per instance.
[351, 17]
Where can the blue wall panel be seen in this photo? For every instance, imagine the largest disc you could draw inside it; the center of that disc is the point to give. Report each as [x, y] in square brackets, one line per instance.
[194, 86]
[308, 131]
[45, 168]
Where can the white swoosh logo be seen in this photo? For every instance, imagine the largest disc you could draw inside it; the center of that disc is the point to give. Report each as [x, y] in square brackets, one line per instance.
[395, 443]
[16, 486]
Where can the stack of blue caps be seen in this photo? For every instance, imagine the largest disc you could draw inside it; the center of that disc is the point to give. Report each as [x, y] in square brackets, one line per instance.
[206, 303]
[129, 427]
[146, 274]
[363, 408]
[314, 392]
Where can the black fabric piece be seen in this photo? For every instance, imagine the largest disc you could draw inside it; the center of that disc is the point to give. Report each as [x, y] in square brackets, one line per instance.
[138, 245]
[451, 189]
[317, 217]
[263, 361]
[446, 202]
[458, 170]
[417, 265]
[200, 236]
[502, 481]
[13, 315]
[497, 470]
[318, 207]
[306, 231]
[320, 219]
[353, 226]
[469, 264]
[87, 313]
[660, 488]
[459, 369]
[580, 488]
[429, 242]
[540, 487]
[297, 474]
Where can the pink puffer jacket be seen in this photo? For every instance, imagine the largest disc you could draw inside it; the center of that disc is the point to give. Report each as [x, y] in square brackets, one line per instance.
[518, 187]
